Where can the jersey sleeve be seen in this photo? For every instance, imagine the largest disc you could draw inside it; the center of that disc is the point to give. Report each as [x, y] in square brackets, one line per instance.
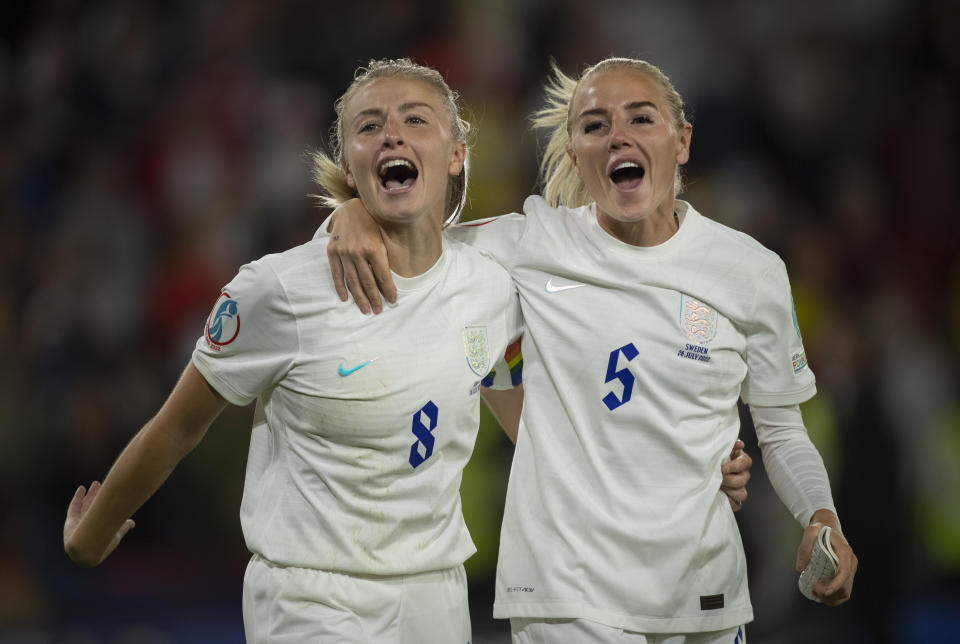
[251, 338]
[498, 237]
[507, 370]
[777, 370]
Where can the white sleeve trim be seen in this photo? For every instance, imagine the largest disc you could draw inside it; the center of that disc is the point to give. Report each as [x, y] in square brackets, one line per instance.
[792, 462]
[782, 399]
[224, 388]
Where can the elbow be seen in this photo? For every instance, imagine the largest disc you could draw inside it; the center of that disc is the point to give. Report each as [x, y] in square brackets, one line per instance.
[81, 556]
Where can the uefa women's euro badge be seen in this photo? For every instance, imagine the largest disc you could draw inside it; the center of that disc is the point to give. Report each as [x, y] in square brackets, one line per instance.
[223, 325]
[476, 349]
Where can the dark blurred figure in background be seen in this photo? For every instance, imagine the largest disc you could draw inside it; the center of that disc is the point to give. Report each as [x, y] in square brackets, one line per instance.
[139, 135]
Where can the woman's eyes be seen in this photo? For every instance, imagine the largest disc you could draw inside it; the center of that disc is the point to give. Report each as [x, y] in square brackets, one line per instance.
[596, 126]
[372, 126]
[592, 127]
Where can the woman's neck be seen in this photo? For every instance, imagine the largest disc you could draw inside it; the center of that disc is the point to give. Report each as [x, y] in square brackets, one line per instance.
[413, 250]
[652, 230]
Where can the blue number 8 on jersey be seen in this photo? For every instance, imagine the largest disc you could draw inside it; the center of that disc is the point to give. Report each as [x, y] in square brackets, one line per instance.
[422, 432]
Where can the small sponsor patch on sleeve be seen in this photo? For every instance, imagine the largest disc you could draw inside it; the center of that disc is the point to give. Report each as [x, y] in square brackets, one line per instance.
[711, 602]
[799, 361]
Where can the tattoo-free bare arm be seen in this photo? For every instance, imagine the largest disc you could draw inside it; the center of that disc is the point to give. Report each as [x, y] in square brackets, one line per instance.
[99, 517]
[506, 406]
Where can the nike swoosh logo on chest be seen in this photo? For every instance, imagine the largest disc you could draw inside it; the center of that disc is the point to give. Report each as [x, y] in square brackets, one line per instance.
[345, 371]
[556, 288]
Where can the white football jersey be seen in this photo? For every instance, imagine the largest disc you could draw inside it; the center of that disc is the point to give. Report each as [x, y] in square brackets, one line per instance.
[634, 359]
[363, 423]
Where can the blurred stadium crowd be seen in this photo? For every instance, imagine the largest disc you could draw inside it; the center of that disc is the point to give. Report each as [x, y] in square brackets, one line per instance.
[148, 149]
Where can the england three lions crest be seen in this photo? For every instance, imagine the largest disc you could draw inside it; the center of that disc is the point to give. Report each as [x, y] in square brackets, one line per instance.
[697, 320]
[477, 349]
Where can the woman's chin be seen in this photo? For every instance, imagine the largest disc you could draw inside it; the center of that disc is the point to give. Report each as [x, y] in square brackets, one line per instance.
[627, 215]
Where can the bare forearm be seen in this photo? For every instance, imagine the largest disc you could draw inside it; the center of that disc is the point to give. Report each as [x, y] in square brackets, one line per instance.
[506, 406]
[94, 520]
[138, 472]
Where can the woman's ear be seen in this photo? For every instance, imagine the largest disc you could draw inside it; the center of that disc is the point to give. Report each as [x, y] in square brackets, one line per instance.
[683, 144]
[348, 175]
[456, 160]
[573, 159]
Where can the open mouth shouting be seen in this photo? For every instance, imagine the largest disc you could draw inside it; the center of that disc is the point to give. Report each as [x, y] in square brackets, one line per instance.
[397, 175]
[627, 175]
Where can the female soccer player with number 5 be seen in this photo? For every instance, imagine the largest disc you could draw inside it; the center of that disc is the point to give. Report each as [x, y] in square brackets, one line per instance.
[645, 323]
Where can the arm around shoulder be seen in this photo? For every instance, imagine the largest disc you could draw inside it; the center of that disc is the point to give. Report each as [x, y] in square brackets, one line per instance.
[358, 257]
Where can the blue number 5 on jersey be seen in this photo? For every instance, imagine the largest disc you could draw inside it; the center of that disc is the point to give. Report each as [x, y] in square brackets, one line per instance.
[623, 375]
[422, 432]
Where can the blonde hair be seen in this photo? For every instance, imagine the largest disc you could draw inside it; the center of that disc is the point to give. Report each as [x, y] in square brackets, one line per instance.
[328, 170]
[561, 184]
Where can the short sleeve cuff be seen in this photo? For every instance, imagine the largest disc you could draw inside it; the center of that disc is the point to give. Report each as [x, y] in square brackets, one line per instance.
[781, 399]
[231, 395]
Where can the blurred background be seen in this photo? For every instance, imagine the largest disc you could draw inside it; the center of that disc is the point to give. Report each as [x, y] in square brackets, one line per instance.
[148, 149]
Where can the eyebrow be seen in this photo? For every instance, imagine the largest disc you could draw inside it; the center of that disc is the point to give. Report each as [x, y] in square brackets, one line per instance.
[600, 111]
[405, 107]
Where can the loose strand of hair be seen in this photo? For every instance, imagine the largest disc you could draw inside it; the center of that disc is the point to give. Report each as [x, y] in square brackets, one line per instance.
[561, 185]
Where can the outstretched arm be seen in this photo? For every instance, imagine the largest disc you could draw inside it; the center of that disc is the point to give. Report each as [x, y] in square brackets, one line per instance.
[99, 518]
[797, 473]
[358, 257]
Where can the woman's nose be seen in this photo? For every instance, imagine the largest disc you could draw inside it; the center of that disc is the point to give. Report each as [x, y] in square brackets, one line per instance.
[391, 134]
